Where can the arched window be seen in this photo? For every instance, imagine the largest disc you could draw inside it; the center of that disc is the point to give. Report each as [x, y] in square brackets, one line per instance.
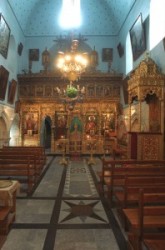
[129, 57]
[70, 16]
[157, 20]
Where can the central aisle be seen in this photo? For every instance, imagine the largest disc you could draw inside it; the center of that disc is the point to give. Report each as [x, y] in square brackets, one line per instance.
[65, 212]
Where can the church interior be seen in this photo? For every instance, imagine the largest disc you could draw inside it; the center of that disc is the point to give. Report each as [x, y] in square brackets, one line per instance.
[82, 125]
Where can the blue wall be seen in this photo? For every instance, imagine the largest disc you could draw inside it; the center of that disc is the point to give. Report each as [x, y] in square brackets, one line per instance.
[16, 63]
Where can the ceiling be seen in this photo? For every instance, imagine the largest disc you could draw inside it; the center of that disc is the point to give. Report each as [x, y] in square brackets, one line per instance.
[100, 17]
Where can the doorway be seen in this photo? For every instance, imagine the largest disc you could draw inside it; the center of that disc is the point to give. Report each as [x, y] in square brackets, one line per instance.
[46, 133]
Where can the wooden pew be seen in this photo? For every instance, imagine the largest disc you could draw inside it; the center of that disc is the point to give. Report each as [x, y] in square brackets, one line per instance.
[4, 213]
[20, 162]
[113, 172]
[129, 196]
[119, 152]
[154, 242]
[22, 170]
[38, 150]
[146, 220]
[30, 156]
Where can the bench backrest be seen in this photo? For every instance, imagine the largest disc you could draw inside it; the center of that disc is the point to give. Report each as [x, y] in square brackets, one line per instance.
[24, 148]
[150, 204]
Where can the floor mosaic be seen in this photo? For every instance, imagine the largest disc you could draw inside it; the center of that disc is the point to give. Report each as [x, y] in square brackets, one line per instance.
[65, 212]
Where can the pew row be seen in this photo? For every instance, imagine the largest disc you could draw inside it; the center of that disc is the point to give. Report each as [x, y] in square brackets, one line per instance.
[128, 196]
[24, 164]
[21, 170]
[33, 159]
[38, 150]
[4, 213]
[113, 173]
[147, 221]
[154, 242]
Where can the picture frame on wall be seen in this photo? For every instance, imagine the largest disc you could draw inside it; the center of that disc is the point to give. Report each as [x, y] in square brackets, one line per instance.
[120, 50]
[107, 54]
[33, 54]
[137, 36]
[12, 91]
[4, 75]
[20, 49]
[4, 36]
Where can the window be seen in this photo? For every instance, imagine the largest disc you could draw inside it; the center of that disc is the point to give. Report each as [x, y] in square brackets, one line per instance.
[157, 20]
[70, 16]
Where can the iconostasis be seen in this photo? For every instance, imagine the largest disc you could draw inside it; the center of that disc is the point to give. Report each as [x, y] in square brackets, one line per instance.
[93, 118]
[79, 128]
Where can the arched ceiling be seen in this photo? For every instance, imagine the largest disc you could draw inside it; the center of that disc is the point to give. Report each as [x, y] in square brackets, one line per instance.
[100, 17]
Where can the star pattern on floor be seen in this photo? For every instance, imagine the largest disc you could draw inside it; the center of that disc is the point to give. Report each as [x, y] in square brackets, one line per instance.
[83, 211]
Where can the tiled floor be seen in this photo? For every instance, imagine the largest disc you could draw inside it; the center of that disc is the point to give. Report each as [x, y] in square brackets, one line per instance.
[65, 212]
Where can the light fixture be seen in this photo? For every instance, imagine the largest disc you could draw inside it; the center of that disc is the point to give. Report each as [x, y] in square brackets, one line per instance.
[71, 65]
[71, 95]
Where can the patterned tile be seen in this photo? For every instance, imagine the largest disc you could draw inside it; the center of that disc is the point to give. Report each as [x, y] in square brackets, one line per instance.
[82, 211]
[79, 182]
[89, 239]
[34, 211]
[25, 239]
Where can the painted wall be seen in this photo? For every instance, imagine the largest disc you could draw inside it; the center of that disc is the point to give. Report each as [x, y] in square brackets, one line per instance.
[53, 47]
[18, 63]
[14, 62]
[142, 7]
[99, 42]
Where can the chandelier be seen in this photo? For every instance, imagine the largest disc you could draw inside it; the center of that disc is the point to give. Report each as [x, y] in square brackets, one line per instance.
[71, 95]
[71, 65]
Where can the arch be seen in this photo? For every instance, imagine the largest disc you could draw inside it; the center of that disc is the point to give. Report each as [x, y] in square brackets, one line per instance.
[12, 55]
[45, 132]
[15, 132]
[6, 120]
[129, 56]
[3, 132]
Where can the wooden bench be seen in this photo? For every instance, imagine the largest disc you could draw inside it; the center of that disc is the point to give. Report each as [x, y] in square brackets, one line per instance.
[6, 219]
[113, 172]
[32, 157]
[129, 195]
[119, 152]
[4, 213]
[154, 242]
[146, 220]
[38, 150]
[21, 169]
[22, 163]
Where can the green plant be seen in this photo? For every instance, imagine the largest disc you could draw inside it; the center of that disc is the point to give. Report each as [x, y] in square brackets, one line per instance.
[71, 92]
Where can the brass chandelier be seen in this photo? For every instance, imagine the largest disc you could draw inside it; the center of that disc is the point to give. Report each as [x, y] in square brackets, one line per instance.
[71, 65]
